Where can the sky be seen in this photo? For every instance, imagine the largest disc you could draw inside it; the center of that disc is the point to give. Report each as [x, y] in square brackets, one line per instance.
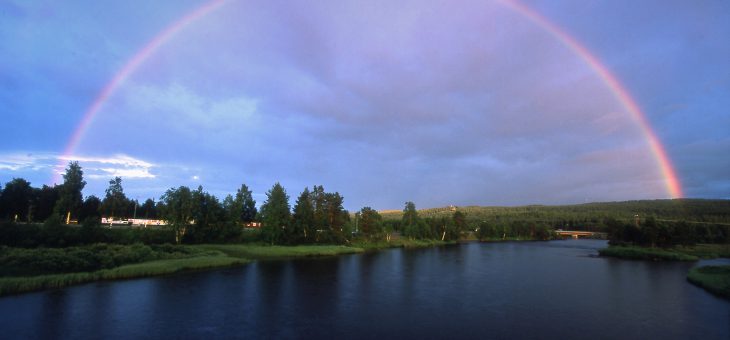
[435, 102]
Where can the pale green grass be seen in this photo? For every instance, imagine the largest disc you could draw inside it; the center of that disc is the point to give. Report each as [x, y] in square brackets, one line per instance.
[644, 253]
[251, 251]
[14, 285]
[715, 279]
[399, 243]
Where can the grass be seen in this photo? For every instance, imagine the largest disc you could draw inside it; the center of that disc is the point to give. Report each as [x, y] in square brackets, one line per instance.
[251, 251]
[399, 243]
[642, 253]
[715, 279]
[678, 253]
[194, 257]
[15, 285]
[706, 251]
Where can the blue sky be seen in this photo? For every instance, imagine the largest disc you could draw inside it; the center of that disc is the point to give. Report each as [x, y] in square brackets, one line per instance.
[466, 102]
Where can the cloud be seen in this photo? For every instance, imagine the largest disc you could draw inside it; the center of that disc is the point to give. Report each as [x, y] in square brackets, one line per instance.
[384, 102]
[93, 167]
[189, 108]
[478, 106]
[121, 160]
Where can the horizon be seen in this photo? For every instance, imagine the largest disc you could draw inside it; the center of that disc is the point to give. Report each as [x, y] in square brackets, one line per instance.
[485, 104]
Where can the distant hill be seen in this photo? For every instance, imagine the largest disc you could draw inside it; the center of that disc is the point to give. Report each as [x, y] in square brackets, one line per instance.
[711, 211]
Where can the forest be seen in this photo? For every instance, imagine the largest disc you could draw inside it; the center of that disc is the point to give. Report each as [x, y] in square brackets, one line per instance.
[36, 217]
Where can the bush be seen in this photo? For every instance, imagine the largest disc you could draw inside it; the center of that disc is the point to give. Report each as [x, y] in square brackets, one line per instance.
[25, 262]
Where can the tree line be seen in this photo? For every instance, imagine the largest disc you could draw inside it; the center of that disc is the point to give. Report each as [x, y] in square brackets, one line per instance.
[195, 216]
[20, 202]
[651, 232]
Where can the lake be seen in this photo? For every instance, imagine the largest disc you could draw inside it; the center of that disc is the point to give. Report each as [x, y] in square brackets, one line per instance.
[556, 289]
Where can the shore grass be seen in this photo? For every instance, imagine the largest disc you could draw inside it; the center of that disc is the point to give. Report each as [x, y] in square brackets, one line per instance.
[197, 257]
[253, 252]
[399, 243]
[642, 253]
[15, 285]
[715, 279]
[706, 251]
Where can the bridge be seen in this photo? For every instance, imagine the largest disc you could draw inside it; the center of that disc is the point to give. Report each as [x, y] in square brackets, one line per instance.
[579, 234]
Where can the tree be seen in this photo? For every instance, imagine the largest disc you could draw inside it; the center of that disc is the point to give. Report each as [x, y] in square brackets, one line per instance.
[685, 233]
[244, 195]
[115, 202]
[335, 212]
[650, 231]
[177, 210]
[371, 223]
[487, 230]
[318, 202]
[148, 209]
[275, 214]
[409, 221]
[231, 209]
[70, 197]
[459, 224]
[90, 210]
[303, 219]
[45, 200]
[16, 200]
[208, 216]
[242, 208]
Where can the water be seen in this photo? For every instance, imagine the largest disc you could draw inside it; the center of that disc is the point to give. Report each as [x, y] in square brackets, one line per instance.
[555, 289]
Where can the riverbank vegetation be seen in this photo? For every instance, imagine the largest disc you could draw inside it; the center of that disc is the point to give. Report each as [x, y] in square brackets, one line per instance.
[24, 270]
[708, 213]
[257, 252]
[38, 261]
[14, 285]
[43, 245]
[715, 279]
[653, 239]
[643, 253]
[675, 253]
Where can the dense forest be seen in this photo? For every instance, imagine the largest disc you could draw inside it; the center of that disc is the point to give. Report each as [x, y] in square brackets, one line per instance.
[37, 217]
[591, 216]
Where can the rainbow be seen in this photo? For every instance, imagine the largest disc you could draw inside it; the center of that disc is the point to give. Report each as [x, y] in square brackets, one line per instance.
[674, 187]
[129, 68]
[672, 182]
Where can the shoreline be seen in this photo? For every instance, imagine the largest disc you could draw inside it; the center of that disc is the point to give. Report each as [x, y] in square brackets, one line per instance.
[714, 279]
[26, 284]
[217, 256]
[678, 253]
[213, 256]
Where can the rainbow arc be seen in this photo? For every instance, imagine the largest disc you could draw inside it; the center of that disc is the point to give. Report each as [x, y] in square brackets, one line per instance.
[672, 183]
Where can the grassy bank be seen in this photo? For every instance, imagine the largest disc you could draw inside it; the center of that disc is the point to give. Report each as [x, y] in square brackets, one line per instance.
[679, 253]
[715, 279]
[641, 253]
[706, 251]
[49, 268]
[15, 285]
[25, 270]
[254, 252]
[399, 243]
[509, 239]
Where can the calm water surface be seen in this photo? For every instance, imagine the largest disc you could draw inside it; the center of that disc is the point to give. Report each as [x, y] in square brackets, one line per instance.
[541, 290]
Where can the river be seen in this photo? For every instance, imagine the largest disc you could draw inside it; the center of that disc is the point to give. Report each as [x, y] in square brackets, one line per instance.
[556, 289]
